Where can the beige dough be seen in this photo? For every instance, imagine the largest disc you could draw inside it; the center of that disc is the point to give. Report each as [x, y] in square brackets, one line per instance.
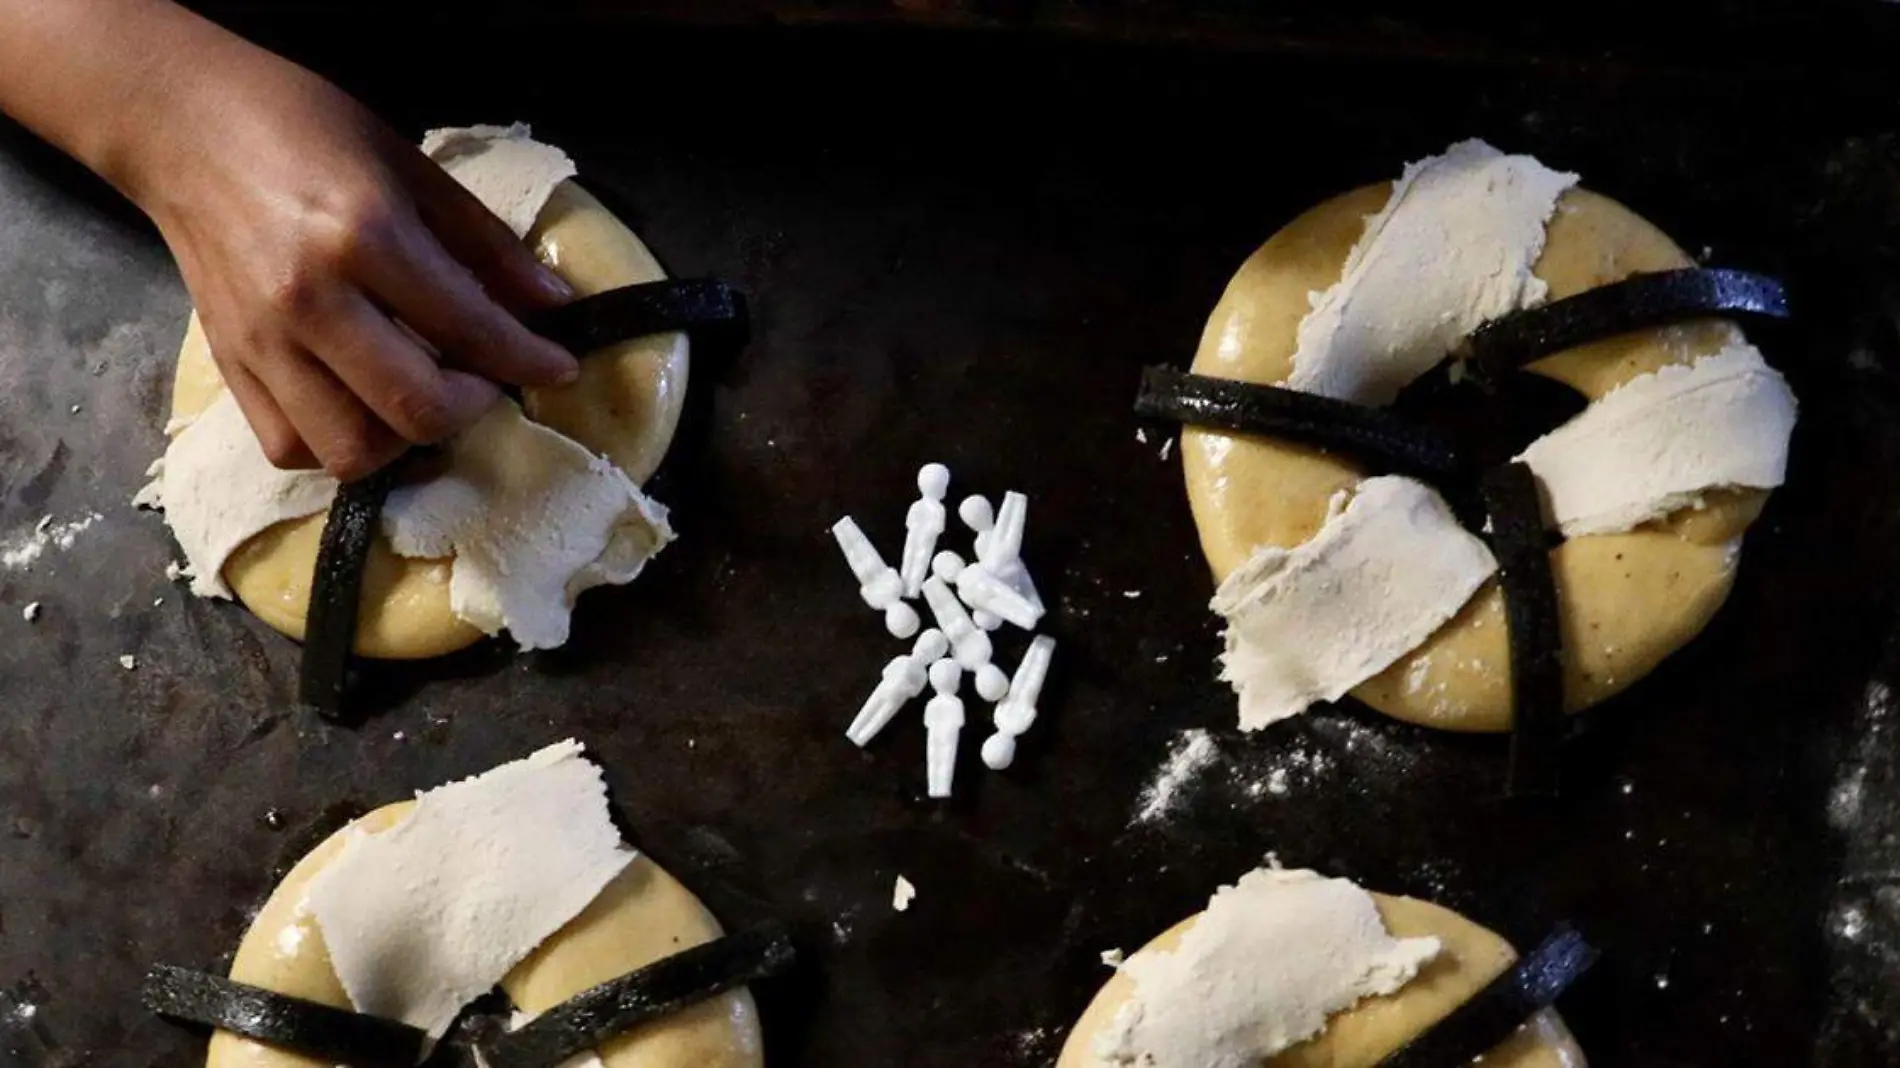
[1362, 1036]
[1627, 600]
[642, 916]
[626, 405]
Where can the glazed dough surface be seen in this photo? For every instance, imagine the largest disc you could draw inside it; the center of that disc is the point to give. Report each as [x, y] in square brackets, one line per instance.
[1360, 1037]
[1627, 600]
[626, 405]
[642, 916]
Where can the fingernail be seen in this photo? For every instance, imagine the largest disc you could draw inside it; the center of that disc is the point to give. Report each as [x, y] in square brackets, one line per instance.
[569, 373]
[555, 287]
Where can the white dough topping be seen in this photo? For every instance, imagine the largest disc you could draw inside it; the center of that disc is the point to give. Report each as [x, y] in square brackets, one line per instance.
[426, 916]
[1310, 623]
[1659, 441]
[1260, 971]
[505, 167]
[1453, 247]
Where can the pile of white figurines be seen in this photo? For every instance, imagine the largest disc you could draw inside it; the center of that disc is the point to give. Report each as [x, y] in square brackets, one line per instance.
[968, 600]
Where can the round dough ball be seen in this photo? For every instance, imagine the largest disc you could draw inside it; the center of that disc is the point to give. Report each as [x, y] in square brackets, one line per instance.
[626, 405]
[1627, 600]
[643, 915]
[1369, 1032]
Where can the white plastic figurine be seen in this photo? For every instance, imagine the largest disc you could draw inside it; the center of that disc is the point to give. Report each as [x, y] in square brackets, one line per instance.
[976, 513]
[943, 721]
[922, 525]
[983, 591]
[878, 584]
[1001, 552]
[904, 679]
[985, 620]
[946, 565]
[1006, 537]
[1017, 713]
[991, 684]
[970, 646]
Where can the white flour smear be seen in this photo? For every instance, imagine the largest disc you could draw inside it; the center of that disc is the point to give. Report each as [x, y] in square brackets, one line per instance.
[21, 551]
[1863, 919]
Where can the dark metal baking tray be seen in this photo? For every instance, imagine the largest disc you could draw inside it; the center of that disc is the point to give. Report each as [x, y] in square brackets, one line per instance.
[965, 227]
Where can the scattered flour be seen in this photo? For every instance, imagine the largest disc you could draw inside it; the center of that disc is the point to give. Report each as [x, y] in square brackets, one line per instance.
[19, 553]
[1191, 753]
[1326, 752]
[1862, 924]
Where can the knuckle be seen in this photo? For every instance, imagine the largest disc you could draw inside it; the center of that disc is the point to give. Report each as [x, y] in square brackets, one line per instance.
[422, 415]
[297, 293]
[345, 226]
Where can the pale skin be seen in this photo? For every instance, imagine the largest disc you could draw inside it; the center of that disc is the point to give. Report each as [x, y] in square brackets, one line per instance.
[357, 300]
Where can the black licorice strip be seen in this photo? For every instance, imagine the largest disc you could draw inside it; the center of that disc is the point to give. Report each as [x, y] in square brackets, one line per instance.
[1368, 434]
[580, 326]
[1522, 548]
[307, 1027]
[329, 637]
[1641, 301]
[594, 1016]
[638, 310]
[1480, 1025]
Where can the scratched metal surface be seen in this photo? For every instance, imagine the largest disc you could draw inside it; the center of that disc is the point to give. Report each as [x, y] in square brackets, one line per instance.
[961, 248]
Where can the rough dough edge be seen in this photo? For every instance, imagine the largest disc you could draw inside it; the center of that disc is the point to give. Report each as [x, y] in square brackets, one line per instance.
[1359, 1037]
[643, 915]
[405, 611]
[1628, 600]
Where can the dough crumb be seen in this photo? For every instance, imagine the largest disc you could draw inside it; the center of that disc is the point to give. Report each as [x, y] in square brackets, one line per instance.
[75, 409]
[1167, 447]
[129, 662]
[903, 894]
[1113, 957]
[176, 572]
[1141, 435]
[31, 612]
[1131, 594]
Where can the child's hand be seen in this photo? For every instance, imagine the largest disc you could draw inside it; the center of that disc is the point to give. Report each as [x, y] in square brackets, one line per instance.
[357, 299]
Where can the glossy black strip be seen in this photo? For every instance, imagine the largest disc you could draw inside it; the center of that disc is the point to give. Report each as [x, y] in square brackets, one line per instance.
[1495, 1013]
[667, 986]
[306, 1027]
[1522, 547]
[1639, 302]
[1369, 435]
[638, 310]
[329, 638]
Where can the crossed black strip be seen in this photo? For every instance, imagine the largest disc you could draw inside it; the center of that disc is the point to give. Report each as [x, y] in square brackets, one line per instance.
[575, 1026]
[587, 324]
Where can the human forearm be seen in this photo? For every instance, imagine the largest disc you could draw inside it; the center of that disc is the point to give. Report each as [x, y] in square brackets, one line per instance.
[110, 81]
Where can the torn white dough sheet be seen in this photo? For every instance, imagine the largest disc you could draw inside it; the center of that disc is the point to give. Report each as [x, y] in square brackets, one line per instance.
[1661, 440]
[1453, 247]
[532, 518]
[219, 491]
[504, 166]
[424, 917]
[1310, 623]
[1260, 971]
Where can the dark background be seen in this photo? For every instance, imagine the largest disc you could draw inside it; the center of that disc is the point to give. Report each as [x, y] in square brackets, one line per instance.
[966, 226]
